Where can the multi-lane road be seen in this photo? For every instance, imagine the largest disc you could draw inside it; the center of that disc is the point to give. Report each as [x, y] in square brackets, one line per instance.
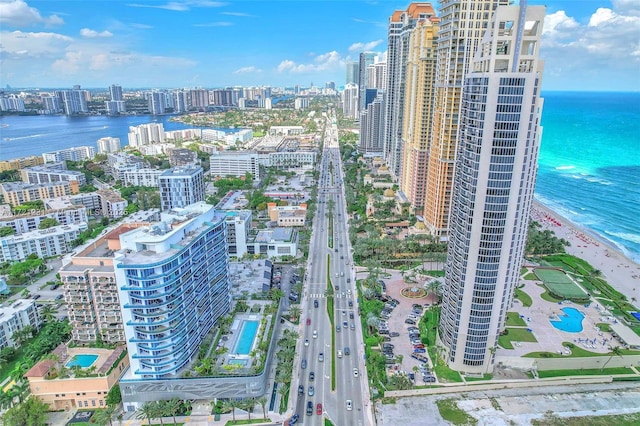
[330, 258]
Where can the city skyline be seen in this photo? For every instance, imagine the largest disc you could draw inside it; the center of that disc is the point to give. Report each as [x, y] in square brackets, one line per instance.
[586, 45]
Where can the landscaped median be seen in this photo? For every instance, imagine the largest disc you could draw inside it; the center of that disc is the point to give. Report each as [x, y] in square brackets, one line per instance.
[330, 311]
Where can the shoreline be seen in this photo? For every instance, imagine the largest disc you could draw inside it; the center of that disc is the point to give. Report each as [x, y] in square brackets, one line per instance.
[618, 270]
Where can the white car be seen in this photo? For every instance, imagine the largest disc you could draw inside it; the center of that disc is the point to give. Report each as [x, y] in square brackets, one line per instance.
[306, 342]
[315, 334]
[349, 405]
[355, 372]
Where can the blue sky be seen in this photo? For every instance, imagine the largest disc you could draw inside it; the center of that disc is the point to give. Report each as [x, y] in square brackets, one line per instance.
[587, 45]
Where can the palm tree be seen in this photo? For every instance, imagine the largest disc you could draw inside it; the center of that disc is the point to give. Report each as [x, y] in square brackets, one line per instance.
[146, 412]
[294, 312]
[614, 351]
[102, 417]
[20, 388]
[232, 404]
[47, 313]
[172, 407]
[248, 405]
[263, 403]
[6, 400]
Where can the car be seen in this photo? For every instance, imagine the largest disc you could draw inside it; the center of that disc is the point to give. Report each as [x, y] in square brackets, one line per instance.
[336, 250]
[55, 286]
[394, 334]
[352, 326]
[338, 328]
[412, 377]
[315, 334]
[308, 321]
[306, 342]
[420, 350]
[384, 332]
[309, 408]
[409, 321]
[355, 372]
[342, 274]
[339, 353]
[320, 357]
[348, 280]
[350, 315]
[429, 379]
[315, 303]
[387, 345]
[337, 287]
[347, 351]
[344, 324]
[344, 312]
[300, 390]
[311, 391]
[386, 339]
[37, 296]
[351, 303]
[418, 346]
[304, 363]
[319, 409]
[413, 329]
[312, 376]
[349, 405]
[294, 419]
[341, 257]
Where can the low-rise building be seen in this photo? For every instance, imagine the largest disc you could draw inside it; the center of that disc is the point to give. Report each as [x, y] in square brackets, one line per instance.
[104, 202]
[274, 242]
[31, 221]
[17, 193]
[79, 153]
[142, 177]
[57, 173]
[21, 313]
[20, 163]
[285, 130]
[235, 163]
[182, 157]
[77, 377]
[53, 241]
[287, 215]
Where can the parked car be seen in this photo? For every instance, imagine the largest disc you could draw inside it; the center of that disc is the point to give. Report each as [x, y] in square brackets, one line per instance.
[387, 345]
[429, 379]
[409, 321]
[420, 351]
[394, 334]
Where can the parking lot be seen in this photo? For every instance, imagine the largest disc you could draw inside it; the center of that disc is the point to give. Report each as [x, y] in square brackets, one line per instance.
[402, 344]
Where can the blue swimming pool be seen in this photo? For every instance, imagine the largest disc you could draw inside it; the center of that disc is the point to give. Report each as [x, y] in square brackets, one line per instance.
[571, 321]
[247, 336]
[82, 360]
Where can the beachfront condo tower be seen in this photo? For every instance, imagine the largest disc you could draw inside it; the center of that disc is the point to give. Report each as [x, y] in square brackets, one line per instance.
[493, 186]
[173, 286]
[462, 24]
[401, 24]
[418, 110]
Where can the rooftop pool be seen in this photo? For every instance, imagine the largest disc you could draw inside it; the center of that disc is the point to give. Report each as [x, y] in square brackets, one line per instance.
[247, 335]
[571, 321]
[82, 360]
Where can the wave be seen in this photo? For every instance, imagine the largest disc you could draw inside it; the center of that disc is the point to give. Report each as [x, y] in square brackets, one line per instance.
[634, 238]
[565, 167]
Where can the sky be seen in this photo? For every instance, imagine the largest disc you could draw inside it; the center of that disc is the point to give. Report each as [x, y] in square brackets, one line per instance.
[588, 45]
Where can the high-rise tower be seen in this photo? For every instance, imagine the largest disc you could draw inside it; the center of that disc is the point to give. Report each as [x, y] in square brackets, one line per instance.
[494, 183]
[462, 24]
[401, 23]
[366, 59]
[418, 111]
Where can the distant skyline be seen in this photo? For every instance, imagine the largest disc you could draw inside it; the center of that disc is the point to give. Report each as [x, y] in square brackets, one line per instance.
[590, 45]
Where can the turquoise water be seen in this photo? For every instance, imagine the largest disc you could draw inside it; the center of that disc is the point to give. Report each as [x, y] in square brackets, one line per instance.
[571, 321]
[83, 360]
[589, 165]
[247, 336]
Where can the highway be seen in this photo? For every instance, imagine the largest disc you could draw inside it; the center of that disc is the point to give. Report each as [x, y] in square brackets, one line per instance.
[316, 329]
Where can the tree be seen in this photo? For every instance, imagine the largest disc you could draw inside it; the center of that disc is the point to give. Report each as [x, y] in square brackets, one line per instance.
[232, 404]
[263, 403]
[147, 411]
[102, 417]
[32, 413]
[276, 294]
[114, 397]
[47, 313]
[173, 407]
[614, 351]
[6, 400]
[158, 411]
[48, 222]
[5, 231]
[248, 405]
[294, 312]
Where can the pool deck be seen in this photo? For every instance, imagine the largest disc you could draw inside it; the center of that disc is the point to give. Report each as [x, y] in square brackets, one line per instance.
[103, 355]
[549, 338]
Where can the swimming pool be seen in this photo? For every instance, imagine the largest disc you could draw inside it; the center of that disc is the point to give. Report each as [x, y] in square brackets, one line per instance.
[571, 321]
[247, 336]
[82, 360]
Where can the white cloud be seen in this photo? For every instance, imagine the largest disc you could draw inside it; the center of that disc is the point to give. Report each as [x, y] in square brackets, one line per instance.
[247, 70]
[181, 6]
[604, 50]
[19, 14]
[89, 33]
[214, 24]
[363, 47]
[32, 45]
[329, 61]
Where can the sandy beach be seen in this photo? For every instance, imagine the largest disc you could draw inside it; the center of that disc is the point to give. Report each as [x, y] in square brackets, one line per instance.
[619, 271]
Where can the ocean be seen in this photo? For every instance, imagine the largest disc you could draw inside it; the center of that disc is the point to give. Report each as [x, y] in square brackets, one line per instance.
[589, 164]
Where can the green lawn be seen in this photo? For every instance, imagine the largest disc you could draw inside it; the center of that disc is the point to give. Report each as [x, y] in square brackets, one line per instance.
[247, 421]
[523, 297]
[515, 335]
[479, 379]
[579, 372]
[450, 412]
[549, 298]
[617, 420]
[576, 352]
[514, 320]
[530, 277]
[559, 283]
